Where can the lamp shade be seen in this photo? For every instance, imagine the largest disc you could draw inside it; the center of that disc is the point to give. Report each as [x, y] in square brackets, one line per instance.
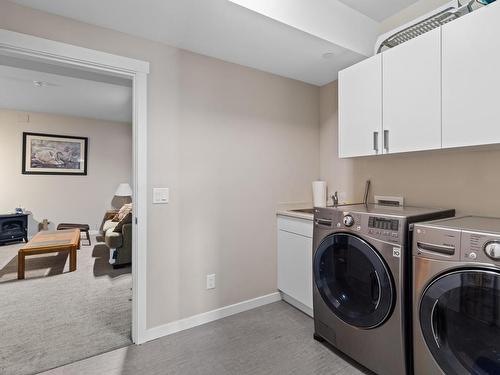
[124, 190]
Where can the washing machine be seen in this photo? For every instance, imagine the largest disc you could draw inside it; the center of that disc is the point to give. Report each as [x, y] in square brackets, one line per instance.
[457, 296]
[361, 289]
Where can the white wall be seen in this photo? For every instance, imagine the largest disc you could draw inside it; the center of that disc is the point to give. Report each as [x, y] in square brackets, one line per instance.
[230, 142]
[73, 199]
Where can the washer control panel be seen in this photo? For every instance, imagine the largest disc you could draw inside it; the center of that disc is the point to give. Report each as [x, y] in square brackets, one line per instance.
[385, 228]
[381, 227]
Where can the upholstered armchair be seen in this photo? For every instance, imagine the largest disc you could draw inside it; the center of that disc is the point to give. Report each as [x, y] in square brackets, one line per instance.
[117, 233]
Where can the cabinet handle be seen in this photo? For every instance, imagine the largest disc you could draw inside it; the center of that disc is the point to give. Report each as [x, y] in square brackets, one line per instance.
[386, 140]
[375, 142]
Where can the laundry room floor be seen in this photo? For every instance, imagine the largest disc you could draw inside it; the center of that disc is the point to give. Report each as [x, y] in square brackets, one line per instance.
[273, 339]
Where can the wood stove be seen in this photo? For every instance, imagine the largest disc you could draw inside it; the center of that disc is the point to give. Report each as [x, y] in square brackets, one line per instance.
[13, 228]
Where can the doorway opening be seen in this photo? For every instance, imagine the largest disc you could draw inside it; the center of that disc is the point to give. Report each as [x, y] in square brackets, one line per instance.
[114, 290]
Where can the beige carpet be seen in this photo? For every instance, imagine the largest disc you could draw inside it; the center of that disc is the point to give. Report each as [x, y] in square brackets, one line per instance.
[55, 317]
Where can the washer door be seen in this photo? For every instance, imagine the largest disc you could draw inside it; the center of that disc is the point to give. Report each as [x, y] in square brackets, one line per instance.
[353, 280]
[460, 321]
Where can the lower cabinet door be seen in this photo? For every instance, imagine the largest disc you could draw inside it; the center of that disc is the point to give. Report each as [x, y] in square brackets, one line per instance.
[295, 266]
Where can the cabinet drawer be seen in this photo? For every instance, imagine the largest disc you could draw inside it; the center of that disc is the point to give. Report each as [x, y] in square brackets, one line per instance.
[302, 227]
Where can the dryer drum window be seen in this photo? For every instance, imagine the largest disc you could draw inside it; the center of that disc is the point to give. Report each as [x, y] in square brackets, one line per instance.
[460, 321]
[353, 280]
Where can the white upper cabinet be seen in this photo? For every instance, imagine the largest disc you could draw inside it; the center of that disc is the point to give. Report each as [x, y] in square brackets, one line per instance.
[438, 90]
[471, 79]
[412, 95]
[360, 108]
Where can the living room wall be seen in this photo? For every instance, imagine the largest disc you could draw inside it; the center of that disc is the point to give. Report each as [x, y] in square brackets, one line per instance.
[77, 199]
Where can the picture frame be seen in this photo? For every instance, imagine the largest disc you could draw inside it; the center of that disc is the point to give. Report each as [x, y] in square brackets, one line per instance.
[51, 154]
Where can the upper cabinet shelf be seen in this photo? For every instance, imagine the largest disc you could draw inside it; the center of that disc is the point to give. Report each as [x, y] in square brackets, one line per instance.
[435, 91]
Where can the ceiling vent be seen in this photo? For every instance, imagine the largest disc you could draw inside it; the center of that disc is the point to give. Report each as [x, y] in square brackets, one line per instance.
[428, 22]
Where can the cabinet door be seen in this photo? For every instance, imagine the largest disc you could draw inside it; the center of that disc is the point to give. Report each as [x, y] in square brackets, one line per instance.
[295, 266]
[412, 95]
[471, 79]
[360, 108]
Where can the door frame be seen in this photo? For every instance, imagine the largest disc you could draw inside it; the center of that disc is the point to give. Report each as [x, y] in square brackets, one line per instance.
[28, 46]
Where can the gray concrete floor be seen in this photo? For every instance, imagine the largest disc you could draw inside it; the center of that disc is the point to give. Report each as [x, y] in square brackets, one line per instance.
[274, 339]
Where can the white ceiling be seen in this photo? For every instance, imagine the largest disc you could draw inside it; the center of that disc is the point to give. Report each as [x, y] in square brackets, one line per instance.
[284, 37]
[63, 94]
[378, 10]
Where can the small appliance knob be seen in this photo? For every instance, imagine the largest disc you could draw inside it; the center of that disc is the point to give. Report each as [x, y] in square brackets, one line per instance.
[492, 250]
[348, 221]
[472, 255]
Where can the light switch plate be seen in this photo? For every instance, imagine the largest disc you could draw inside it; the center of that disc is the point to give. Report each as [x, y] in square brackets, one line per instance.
[160, 195]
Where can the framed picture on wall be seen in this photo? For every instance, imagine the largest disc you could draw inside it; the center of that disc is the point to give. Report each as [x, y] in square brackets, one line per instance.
[54, 154]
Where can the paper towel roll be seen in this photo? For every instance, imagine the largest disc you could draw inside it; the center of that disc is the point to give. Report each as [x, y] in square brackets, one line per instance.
[319, 193]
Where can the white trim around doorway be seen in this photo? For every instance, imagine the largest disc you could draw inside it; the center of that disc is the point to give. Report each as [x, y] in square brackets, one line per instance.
[19, 45]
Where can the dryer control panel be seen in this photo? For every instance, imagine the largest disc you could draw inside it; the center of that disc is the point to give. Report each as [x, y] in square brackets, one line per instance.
[448, 240]
[480, 247]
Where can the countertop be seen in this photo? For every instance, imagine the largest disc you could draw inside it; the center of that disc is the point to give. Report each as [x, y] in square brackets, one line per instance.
[298, 215]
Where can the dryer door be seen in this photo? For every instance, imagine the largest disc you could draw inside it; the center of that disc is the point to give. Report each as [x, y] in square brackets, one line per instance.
[460, 321]
[353, 280]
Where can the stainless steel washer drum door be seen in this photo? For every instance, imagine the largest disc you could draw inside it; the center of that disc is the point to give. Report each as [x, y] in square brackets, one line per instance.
[353, 280]
[460, 321]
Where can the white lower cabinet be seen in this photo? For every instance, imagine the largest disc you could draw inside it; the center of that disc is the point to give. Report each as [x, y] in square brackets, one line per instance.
[295, 261]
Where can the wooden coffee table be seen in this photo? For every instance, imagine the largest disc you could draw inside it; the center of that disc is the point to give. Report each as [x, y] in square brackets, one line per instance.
[50, 242]
[85, 228]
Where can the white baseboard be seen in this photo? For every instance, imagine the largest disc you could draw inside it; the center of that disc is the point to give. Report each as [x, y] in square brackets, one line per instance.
[210, 316]
[299, 305]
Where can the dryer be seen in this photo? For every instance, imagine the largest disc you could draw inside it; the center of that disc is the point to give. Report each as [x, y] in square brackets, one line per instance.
[457, 296]
[361, 282]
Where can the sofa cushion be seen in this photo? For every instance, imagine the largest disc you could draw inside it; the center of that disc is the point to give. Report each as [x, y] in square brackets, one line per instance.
[109, 224]
[124, 211]
[126, 220]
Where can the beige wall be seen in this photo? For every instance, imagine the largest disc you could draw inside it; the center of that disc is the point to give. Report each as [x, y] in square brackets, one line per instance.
[77, 199]
[465, 179]
[230, 142]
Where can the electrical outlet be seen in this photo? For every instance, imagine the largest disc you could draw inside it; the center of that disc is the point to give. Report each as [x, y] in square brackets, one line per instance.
[211, 281]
